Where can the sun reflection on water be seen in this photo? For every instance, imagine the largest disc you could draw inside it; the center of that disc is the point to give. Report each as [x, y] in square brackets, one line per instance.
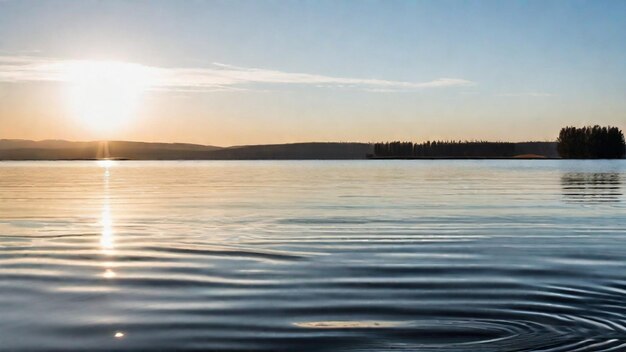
[106, 164]
[107, 235]
[106, 222]
[109, 274]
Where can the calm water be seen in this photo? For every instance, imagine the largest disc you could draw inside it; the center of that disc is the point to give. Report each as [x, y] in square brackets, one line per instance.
[314, 256]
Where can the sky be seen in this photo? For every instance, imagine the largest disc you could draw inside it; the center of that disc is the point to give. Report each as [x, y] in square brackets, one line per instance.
[255, 72]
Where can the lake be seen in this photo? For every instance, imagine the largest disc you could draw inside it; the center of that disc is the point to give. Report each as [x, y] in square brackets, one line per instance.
[402, 255]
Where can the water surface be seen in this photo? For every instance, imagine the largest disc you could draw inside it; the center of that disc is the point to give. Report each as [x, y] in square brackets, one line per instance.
[509, 255]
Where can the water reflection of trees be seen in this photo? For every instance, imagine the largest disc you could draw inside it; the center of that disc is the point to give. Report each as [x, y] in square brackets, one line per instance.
[600, 187]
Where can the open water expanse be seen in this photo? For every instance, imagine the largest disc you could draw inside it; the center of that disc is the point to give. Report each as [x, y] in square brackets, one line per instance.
[406, 255]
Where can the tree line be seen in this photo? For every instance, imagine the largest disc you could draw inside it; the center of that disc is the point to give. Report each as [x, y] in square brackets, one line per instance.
[444, 149]
[591, 142]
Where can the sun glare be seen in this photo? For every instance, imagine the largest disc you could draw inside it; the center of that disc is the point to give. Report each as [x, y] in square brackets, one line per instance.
[104, 95]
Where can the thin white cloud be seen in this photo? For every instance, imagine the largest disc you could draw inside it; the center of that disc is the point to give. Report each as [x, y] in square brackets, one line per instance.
[24, 68]
[528, 94]
[218, 77]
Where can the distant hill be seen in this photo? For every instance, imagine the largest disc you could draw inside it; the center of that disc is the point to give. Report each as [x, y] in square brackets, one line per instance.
[11, 149]
[7, 144]
[295, 151]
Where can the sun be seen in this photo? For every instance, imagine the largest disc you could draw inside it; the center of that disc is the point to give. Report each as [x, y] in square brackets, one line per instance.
[104, 95]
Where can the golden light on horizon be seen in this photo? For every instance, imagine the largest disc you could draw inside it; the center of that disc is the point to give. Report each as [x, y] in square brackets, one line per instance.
[104, 95]
[106, 164]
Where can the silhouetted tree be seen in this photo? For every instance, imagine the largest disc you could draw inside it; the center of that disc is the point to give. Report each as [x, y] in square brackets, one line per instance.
[591, 142]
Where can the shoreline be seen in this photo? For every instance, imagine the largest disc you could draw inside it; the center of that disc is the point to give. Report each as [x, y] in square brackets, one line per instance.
[462, 158]
[319, 159]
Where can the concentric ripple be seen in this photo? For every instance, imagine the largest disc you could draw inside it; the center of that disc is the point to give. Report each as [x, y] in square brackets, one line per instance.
[525, 255]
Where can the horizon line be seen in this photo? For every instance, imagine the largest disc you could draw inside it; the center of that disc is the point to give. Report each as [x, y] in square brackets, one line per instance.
[278, 143]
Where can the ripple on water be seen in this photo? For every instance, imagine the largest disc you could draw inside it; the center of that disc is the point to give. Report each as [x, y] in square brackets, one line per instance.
[474, 335]
[314, 256]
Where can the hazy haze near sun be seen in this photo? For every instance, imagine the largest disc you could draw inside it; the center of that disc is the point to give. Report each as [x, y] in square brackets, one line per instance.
[246, 72]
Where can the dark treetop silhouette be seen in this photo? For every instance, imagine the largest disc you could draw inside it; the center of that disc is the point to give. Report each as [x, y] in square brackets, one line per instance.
[463, 149]
[591, 143]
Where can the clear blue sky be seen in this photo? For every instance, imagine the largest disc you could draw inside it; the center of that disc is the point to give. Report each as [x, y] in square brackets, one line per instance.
[516, 70]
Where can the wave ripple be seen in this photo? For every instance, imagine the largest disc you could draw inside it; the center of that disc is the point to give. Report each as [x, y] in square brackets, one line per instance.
[313, 256]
